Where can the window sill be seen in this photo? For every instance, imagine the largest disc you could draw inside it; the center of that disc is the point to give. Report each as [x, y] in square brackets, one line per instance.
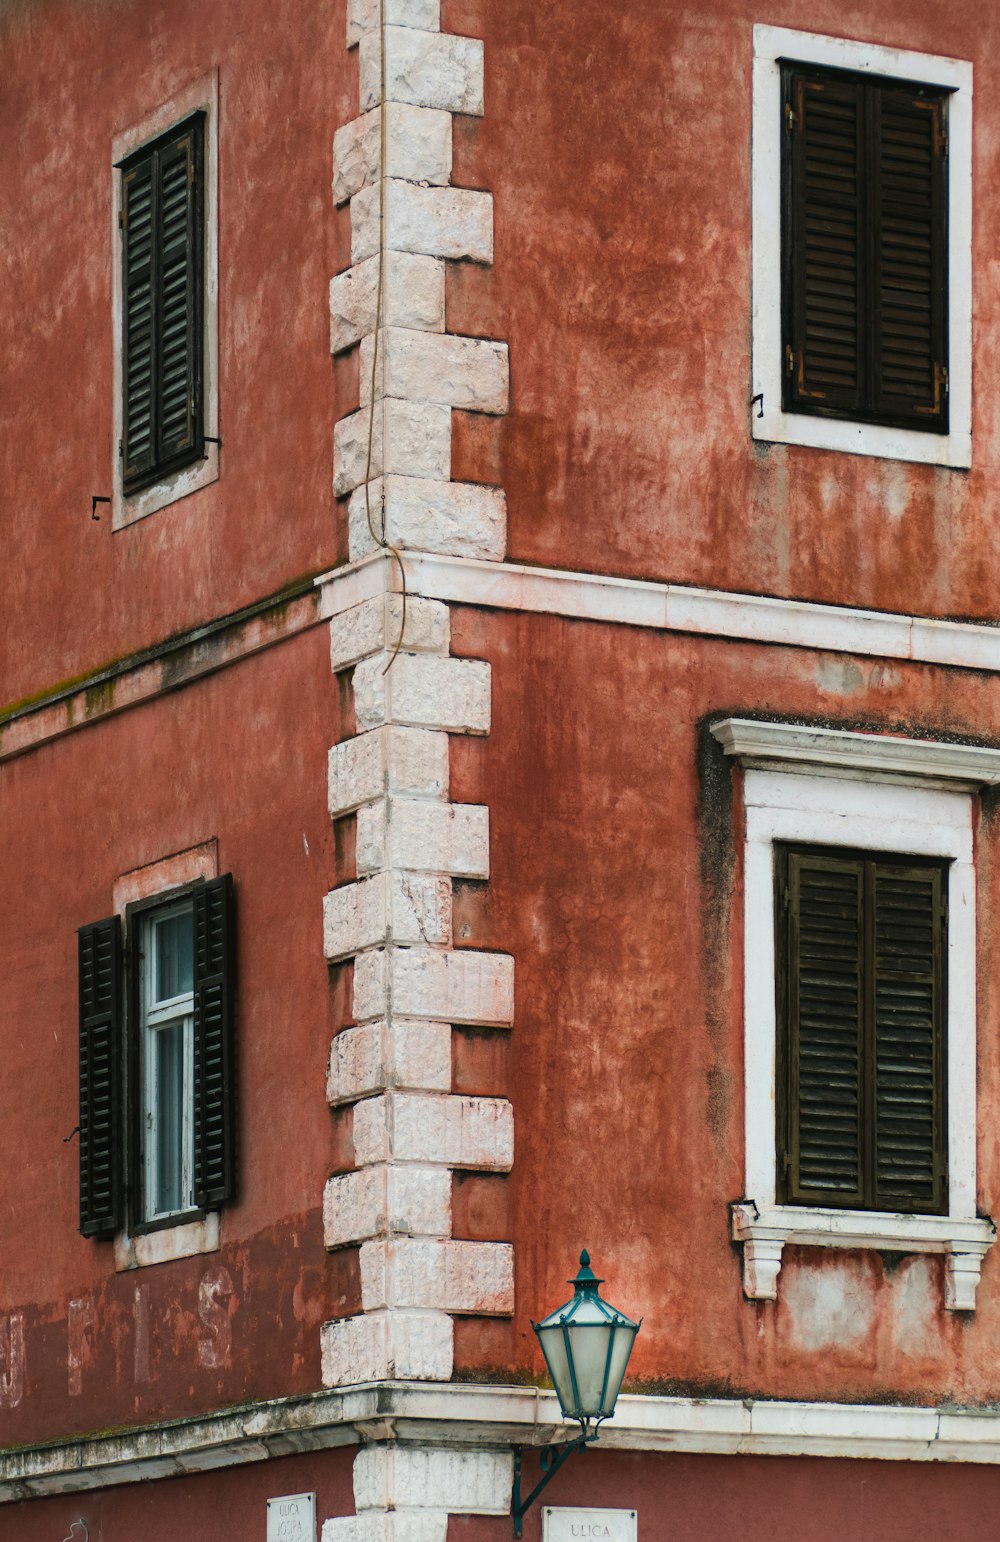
[906, 444]
[764, 1233]
[161, 1247]
[127, 508]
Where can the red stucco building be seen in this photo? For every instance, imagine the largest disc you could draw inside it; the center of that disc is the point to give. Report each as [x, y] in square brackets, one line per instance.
[500, 719]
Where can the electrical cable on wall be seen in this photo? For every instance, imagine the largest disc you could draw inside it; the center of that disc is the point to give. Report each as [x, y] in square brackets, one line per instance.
[378, 536]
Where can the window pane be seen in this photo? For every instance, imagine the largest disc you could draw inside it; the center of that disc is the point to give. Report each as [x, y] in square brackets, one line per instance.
[168, 1056]
[174, 957]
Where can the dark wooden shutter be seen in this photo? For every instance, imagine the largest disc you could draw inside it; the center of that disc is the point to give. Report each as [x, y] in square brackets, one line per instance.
[909, 349]
[163, 282]
[138, 348]
[99, 951]
[908, 1004]
[864, 249]
[861, 1005]
[214, 1046]
[823, 901]
[826, 302]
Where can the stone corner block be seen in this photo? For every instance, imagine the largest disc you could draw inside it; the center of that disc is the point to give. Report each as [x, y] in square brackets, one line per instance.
[389, 1526]
[454, 519]
[410, 762]
[423, 691]
[376, 624]
[472, 373]
[374, 1201]
[469, 1482]
[363, 16]
[465, 987]
[413, 1346]
[424, 68]
[475, 1278]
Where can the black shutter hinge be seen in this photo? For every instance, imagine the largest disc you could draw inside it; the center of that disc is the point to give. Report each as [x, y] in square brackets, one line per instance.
[791, 120]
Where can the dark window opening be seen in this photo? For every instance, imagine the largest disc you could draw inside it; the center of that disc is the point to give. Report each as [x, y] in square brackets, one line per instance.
[163, 263]
[864, 248]
[861, 1000]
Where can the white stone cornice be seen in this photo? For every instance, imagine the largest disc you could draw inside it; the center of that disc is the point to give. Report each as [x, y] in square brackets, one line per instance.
[837, 752]
[676, 608]
[466, 1416]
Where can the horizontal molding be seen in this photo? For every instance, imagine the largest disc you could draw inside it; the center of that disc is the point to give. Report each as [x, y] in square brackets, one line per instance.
[834, 751]
[167, 666]
[463, 1416]
[670, 608]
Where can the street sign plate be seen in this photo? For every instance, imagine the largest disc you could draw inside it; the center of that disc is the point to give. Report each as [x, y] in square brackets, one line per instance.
[560, 1525]
[292, 1518]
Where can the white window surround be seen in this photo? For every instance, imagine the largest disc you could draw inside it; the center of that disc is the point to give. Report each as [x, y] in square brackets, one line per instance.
[201, 96]
[880, 793]
[191, 1237]
[771, 44]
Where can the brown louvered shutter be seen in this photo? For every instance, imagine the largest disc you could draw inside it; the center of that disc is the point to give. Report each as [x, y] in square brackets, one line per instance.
[861, 1005]
[864, 249]
[214, 1043]
[909, 351]
[822, 902]
[908, 1001]
[826, 298]
[100, 1031]
[163, 280]
[138, 347]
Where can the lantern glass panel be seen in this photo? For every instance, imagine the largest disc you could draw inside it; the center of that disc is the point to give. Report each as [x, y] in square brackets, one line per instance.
[620, 1351]
[589, 1346]
[554, 1348]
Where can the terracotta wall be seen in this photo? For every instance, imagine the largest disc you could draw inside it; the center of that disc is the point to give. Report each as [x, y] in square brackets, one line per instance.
[212, 761]
[76, 72]
[616, 144]
[616, 884]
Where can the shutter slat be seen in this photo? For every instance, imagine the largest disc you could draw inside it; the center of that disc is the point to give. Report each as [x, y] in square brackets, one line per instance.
[100, 1029]
[178, 338]
[214, 1038]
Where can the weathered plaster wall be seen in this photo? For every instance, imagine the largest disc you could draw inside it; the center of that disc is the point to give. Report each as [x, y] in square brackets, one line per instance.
[695, 1498]
[75, 74]
[617, 146]
[220, 1504]
[615, 884]
[241, 757]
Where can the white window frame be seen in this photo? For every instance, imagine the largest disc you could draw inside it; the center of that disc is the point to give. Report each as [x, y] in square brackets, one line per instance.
[161, 880]
[201, 96]
[155, 1017]
[872, 792]
[771, 44]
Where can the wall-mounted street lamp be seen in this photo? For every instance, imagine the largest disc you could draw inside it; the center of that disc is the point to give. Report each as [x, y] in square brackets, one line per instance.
[586, 1345]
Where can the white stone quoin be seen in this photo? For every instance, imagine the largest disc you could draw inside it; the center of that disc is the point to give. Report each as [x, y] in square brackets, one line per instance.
[390, 917]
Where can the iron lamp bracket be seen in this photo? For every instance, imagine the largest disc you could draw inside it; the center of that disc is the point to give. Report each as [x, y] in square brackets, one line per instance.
[551, 1458]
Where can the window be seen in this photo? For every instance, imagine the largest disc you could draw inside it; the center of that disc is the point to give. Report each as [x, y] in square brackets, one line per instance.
[861, 952]
[859, 1006]
[157, 1126]
[862, 248]
[163, 960]
[162, 223]
[864, 259]
[165, 268]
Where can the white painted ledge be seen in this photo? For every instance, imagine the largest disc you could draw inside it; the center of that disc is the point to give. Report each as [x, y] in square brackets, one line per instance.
[465, 1416]
[835, 752]
[764, 1233]
[668, 608]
